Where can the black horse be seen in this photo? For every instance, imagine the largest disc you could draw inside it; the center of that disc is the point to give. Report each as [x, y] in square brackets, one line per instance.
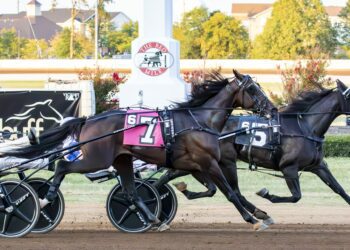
[194, 148]
[303, 125]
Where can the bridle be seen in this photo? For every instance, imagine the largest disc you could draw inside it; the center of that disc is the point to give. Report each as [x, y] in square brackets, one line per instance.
[247, 84]
[346, 94]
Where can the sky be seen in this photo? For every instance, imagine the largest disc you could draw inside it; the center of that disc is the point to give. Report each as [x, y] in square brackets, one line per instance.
[130, 7]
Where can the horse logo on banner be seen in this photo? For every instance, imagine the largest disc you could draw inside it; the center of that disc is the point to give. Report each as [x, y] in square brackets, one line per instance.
[45, 110]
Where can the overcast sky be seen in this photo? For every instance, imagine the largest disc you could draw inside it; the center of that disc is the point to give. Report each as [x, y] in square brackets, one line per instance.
[130, 7]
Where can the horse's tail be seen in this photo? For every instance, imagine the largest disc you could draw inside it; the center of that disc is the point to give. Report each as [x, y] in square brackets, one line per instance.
[50, 139]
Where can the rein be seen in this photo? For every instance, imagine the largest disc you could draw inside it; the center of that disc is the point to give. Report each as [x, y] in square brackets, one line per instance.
[264, 172]
[198, 128]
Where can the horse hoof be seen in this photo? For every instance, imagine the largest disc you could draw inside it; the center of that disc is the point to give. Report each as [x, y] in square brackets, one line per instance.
[181, 186]
[163, 227]
[154, 220]
[258, 227]
[269, 221]
[263, 192]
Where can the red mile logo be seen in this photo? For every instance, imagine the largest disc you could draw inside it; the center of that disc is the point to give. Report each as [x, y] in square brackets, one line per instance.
[153, 59]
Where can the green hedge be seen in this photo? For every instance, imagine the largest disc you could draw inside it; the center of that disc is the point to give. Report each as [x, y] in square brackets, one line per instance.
[337, 146]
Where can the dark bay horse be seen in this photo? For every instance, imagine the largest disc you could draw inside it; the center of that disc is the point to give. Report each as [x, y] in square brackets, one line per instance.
[303, 125]
[197, 125]
[264, 108]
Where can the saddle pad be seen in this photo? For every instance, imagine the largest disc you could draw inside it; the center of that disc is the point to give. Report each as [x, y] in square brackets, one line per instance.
[146, 136]
[262, 136]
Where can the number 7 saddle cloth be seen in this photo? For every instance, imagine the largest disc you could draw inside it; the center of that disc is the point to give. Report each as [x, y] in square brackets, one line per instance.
[147, 135]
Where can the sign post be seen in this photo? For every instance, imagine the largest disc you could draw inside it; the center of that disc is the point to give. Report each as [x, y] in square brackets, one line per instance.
[155, 80]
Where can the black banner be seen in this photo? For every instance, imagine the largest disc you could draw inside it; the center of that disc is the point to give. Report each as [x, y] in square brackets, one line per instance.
[21, 110]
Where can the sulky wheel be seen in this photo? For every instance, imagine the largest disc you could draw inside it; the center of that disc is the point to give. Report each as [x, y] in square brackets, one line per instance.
[19, 208]
[169, 202]
[124, 215]
[52, 214]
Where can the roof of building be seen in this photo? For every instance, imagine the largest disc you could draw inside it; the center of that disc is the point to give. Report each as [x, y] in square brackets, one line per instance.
[45, 26]
[34, 2]
[25, 26]
[61, 15]
[250, 9]
[333, 10]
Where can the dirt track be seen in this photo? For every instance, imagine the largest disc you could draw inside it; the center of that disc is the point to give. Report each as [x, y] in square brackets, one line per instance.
[196, 226]
[193, 236]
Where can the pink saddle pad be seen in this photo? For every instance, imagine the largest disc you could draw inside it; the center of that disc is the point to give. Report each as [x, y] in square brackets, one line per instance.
[147, 136]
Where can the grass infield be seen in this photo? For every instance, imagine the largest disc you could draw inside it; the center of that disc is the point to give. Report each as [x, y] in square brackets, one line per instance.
[78, 189]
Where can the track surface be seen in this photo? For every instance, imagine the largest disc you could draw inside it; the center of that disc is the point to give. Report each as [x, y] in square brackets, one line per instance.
[199, 226]
[193, 236]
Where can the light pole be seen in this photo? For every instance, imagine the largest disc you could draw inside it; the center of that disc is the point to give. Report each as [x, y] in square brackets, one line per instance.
[96, 32]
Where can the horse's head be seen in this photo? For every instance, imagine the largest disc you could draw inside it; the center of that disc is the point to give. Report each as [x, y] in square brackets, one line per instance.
[345, 96]
[251, 96]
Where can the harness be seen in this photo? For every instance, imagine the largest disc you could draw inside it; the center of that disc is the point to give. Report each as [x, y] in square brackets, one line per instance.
[168, 134]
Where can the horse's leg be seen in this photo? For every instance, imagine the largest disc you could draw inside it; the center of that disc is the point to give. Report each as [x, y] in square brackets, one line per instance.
[230, 172]
[204, 180]
[169, 175]
[124, 167]
[292, 179]
[326, 176]
[220, 181]
[228, 165]
[172, 174]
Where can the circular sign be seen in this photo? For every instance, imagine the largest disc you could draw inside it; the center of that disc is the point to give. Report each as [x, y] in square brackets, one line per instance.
[153, 59]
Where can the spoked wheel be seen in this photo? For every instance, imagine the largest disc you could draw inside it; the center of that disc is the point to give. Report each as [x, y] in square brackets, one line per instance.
[19, 208]
[127, 217]
[52, 214]
[169, 202]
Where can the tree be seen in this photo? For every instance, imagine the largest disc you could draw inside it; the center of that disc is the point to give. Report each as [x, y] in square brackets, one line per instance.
[77, 6]
[104, 25]
[60, 45]
[189, 32]
[120, 41]
[224, 38]
[295, 28]
[31, 47]
[9, 44]
[344, 29]
[307, 75]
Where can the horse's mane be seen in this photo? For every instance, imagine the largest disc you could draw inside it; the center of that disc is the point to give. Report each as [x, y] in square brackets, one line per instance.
[106, 114]
[304, 100]
[202, 91]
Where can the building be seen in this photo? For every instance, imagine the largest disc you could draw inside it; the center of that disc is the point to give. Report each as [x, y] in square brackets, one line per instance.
[63, 18]
[31, 24]
[37, 24]
[254, 16]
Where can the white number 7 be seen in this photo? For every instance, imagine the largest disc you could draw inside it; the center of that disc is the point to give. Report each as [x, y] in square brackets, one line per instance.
[148, 137]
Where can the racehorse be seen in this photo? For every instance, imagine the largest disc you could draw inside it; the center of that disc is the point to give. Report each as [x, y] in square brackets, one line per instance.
[303, 125]
[194, 148]
[227, 162]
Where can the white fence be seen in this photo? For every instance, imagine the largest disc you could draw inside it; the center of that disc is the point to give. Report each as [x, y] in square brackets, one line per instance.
[264, 70]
